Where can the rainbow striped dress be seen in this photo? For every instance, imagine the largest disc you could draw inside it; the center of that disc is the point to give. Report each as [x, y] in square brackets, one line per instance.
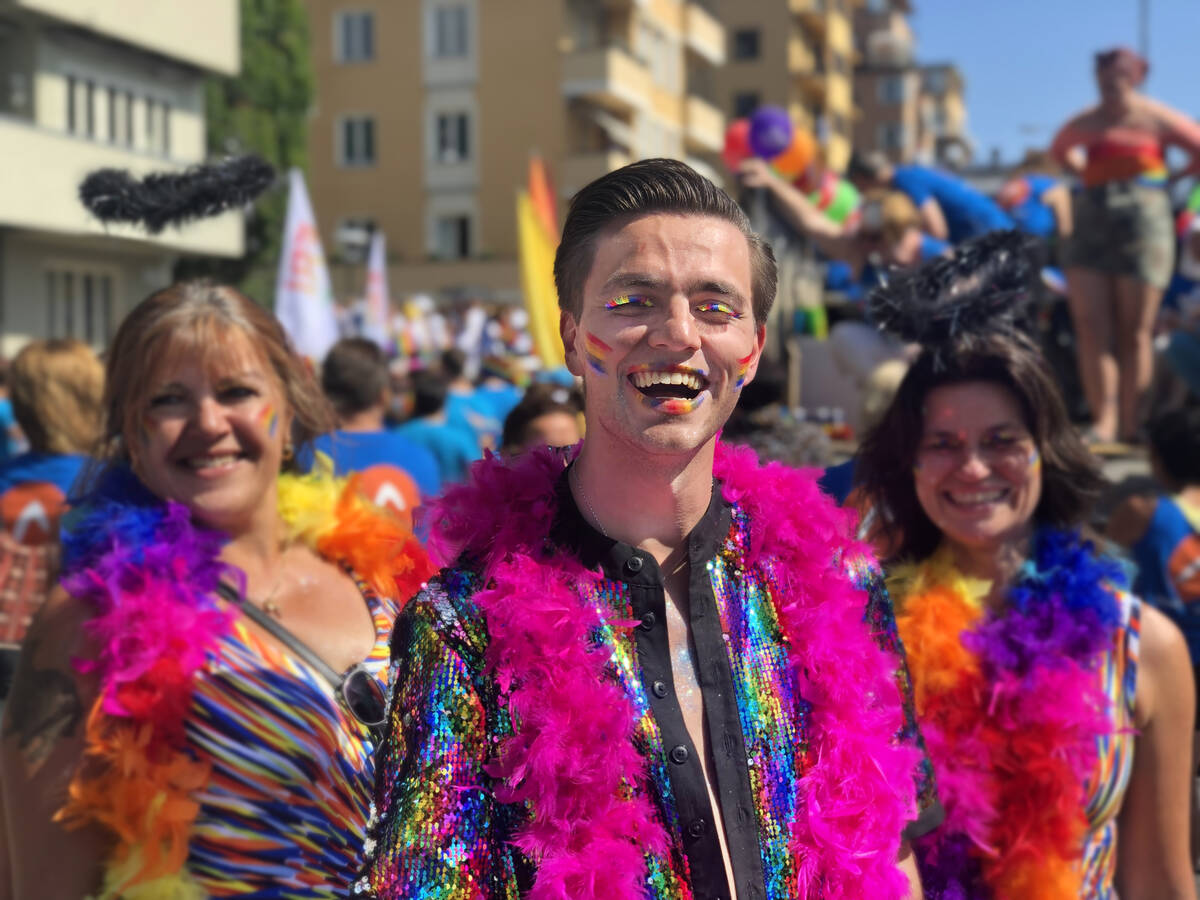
[1106, 789]
[284, 811]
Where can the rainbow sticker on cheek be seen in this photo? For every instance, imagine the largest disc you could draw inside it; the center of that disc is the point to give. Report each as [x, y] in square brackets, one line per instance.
[1035, 460]
[597, 352]
[743, 368]
[269, 419]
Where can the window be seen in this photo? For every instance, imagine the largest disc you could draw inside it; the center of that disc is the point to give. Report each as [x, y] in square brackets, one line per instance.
[891, 137]
[357, 141]
[113, 111]
[355, 36]
[129, 118]
[450, 37]
[746, 44]
[151, 124]
[79, 305]
[745, 103]
[453, 138]
[453, 237]
[891, 89]
[72, 110]
[90, 108]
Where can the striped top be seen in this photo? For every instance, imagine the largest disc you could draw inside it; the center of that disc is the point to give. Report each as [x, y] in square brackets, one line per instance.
[284, 811]
[1106, 790]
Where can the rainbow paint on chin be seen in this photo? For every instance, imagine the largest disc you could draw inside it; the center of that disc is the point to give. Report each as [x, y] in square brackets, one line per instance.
[743, 368]
[596, 352]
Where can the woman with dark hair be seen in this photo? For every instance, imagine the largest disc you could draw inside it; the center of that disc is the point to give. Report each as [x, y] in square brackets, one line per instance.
[193, 713]
[1119, 257]
[1053, 703]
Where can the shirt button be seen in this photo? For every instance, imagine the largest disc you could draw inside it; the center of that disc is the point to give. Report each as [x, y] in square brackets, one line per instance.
[634, 564]
[660, 689]
[697, 828]
[679, 755]
[648, 621]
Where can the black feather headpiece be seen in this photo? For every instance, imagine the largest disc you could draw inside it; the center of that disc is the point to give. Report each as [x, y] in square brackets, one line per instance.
[172, 198]
[984, 288]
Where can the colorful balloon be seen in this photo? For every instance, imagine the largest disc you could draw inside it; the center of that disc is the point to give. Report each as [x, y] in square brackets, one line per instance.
[737, 143]
[770, 131]
[836, 198]
[797, 156]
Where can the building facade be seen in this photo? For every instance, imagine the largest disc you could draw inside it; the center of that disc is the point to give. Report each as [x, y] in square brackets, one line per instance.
[908, 111]
[88, 84]
[428, 111]
[796, 54]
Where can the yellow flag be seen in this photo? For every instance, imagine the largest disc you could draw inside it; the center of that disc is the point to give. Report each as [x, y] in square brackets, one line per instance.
[536, 249]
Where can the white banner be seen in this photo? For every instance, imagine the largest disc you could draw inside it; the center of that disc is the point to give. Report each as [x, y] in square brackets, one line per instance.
[379, 305]
[303, 293]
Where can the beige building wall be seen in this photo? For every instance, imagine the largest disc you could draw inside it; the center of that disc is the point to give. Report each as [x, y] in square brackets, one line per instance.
[202, 35]
[588, 86]
[125, 94]
[804, 63]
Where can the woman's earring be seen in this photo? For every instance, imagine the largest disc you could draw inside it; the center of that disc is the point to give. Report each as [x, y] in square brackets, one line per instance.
[288, 451]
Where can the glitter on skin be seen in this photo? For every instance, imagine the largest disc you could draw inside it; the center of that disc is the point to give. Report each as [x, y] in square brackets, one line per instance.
[716, 306]
[628, 300]
[597, 352]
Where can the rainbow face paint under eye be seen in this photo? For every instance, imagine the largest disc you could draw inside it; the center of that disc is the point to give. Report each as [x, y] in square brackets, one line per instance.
[596, 352]
[743, 368]
[628, 300]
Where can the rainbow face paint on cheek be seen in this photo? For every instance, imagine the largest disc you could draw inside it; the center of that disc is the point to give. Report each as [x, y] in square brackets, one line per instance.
[1035, 460]
[743, 368]
[597, 353]
[269, 419]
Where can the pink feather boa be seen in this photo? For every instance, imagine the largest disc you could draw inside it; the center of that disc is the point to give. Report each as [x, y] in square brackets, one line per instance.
[572, 756]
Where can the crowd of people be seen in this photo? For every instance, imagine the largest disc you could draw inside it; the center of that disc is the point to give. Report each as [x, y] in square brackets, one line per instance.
[436, 626]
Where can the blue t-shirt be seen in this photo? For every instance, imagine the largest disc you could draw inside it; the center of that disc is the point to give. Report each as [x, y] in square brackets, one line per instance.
[357, 451]
[7, 420]
[968, 212]
[1033, 216]
[1168, 560]
[453, 446]
[474, 412]
[34, 488]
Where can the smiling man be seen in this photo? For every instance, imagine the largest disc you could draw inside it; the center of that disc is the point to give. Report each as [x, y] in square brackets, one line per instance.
[661, 671]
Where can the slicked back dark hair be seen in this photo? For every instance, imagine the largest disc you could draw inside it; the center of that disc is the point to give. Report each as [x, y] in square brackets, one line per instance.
[1071, 479]
[645, 188]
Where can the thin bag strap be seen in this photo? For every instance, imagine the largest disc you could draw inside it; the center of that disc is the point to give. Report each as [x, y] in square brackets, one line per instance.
[288, 639]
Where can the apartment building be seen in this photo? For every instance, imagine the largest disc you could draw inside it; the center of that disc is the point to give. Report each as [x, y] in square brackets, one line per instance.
[797, 54]
[943, 113]
[907, 110]
[887, 81]
[427, 113]
[86, 84]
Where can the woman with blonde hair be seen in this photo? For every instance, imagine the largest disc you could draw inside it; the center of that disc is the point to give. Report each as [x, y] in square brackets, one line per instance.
[194, 714]
[55, 387]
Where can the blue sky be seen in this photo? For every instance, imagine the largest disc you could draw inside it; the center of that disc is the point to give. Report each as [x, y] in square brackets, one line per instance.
[1027, 63]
